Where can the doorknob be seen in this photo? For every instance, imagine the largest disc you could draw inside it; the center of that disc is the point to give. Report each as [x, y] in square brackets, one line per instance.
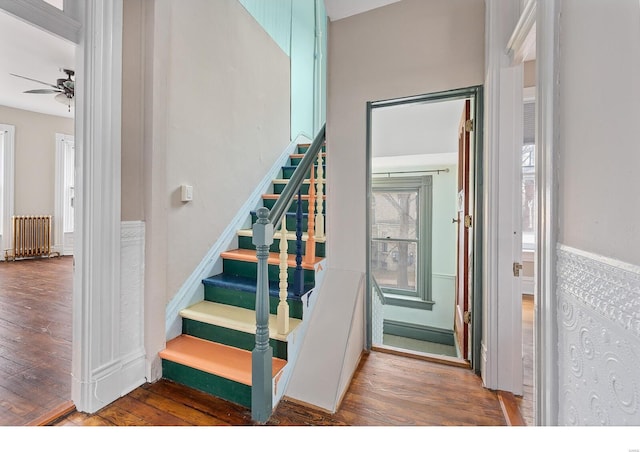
[454, 220]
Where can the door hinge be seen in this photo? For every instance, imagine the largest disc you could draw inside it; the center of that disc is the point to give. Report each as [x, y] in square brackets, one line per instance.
[466, 317]
[468, 125]
[468, 221]
[517, 266]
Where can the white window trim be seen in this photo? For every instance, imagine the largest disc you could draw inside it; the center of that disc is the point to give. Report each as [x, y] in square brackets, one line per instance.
[8, 184]
[424, 187]
[59, 196]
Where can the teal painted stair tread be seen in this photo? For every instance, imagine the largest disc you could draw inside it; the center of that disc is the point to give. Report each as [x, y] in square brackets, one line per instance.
[234, 317]
[245, 284]
[291, 235]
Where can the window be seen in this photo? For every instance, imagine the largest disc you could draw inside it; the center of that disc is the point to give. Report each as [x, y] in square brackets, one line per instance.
[2, 132]
[69, 151]
[401, 235]
[528, 178]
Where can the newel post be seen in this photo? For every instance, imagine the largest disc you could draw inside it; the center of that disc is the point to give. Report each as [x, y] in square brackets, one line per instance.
[261, 373]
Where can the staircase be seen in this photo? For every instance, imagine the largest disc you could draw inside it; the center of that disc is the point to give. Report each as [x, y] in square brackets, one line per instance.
[214, 352]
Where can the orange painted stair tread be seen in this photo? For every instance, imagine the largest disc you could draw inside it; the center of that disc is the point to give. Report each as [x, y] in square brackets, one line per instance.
[276, 196]
[274, 258]
[217, 359]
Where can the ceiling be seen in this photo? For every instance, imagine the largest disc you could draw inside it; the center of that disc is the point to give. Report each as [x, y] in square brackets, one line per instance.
[33, 53]
[416, 134]
[339, 9]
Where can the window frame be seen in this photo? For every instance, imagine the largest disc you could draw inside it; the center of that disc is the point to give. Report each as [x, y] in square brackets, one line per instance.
[424, 186]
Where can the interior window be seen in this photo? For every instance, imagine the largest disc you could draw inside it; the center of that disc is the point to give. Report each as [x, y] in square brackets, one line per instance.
[400, 252]
[528, 178]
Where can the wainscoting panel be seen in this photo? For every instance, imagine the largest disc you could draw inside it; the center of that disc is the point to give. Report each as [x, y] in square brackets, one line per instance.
[132, 353]
[599, 339]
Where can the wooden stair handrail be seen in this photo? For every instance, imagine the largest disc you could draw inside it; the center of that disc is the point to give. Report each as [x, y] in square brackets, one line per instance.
[296, 179]
[263, 232]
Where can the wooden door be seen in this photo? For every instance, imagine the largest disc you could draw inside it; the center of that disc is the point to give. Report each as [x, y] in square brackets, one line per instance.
[461, 324]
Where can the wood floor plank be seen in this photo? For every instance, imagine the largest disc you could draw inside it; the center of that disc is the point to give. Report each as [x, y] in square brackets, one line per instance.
[227, 412]
[386, 390]
[35, 337]
[148, 413]
[185, 413]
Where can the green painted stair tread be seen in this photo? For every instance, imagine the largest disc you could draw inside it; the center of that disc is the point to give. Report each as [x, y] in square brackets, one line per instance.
[221, 360]
[234, 317]
[291, 235]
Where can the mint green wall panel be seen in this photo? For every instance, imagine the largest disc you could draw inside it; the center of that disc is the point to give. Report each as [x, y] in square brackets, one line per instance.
[295, 25]
[275, 18]
[302, 68]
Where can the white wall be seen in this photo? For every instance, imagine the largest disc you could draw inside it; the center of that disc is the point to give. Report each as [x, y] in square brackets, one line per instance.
[132, 161]
[407, 48]
[598, 215]
[599, 112]
[216, 117]
[228, 120]
[35, 152]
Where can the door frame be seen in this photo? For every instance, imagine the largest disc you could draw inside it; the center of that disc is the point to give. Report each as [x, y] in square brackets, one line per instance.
[546, 15]
[96, 28]
[475, 93]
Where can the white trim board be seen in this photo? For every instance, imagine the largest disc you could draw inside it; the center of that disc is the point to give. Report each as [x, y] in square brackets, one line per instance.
[8, 188]
[502, 244]
[101, 370]
[192, 289]
[545, 315]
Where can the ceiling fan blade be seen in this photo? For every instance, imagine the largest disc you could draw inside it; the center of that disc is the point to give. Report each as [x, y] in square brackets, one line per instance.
[43, 91]
[34, 80]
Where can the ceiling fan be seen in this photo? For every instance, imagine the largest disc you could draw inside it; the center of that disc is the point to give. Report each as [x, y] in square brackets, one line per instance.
[64, 89]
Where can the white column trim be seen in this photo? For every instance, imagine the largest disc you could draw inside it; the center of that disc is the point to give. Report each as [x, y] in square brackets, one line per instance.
[9, 185]
[546, 331]
[96, 360]
[501, 367]
[523, 36]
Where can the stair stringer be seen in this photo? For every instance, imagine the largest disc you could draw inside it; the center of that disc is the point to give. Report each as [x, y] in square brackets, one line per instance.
[296, 338]
[192, 289]
[332, 347]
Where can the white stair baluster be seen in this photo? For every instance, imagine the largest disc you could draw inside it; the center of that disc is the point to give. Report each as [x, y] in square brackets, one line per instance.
[319, 207]
[283, 306]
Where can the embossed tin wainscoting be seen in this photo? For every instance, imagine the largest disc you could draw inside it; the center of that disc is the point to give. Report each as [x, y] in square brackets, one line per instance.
[599, 339]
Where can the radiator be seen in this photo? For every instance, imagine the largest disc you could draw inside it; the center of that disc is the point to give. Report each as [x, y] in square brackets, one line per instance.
[31, 237]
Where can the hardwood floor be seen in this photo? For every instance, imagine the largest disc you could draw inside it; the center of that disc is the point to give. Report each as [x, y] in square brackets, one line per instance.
[526, 403]
[35, 365]
[387, 390]
[35, 338]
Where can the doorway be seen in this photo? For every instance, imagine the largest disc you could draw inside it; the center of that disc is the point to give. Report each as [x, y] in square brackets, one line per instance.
[36, 321]
[420, 231]
[64, 194]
